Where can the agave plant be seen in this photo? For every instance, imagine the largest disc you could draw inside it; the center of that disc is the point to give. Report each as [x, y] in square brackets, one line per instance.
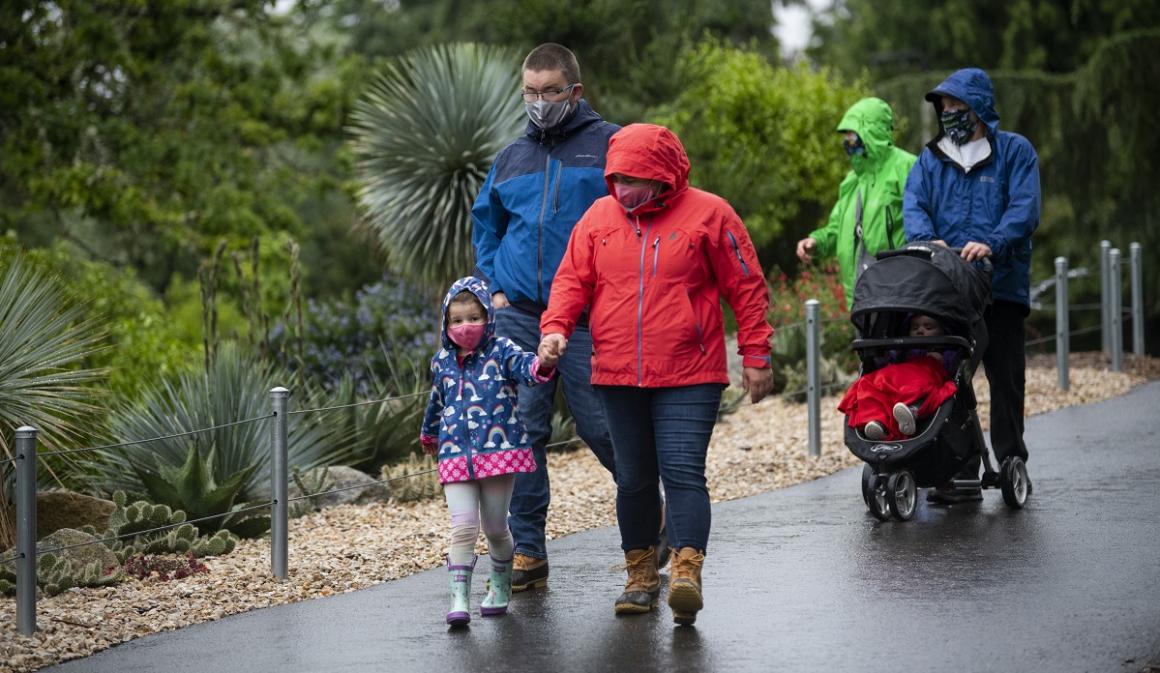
[43, 339]
[425, 134]
[223, 469]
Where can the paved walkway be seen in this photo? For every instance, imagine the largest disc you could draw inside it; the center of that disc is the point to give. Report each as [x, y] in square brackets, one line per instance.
[800, 579]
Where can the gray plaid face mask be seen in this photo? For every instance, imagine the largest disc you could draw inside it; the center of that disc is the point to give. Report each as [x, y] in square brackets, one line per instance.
[546, 114]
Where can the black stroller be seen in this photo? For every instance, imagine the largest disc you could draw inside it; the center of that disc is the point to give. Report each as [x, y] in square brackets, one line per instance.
[935, 281]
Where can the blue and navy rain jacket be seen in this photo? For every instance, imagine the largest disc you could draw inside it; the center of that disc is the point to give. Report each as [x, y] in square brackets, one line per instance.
[472, 412]
[536, 191]
[997, 202]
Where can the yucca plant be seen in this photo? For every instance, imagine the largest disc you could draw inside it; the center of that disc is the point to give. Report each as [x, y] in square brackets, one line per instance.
[236, 458]
[425, 134]
[42, 340]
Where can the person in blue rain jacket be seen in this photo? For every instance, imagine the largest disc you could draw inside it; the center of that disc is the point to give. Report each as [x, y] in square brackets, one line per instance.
[976, 188]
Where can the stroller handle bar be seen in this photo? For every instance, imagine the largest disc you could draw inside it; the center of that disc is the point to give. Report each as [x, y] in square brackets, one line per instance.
[922, 249]
[910, 342]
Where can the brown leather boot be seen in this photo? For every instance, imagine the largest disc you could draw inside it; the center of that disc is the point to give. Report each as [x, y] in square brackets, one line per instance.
[685, 585]
[644, 582]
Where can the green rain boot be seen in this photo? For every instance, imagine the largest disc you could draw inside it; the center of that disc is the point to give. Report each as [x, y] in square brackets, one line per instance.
[499, 590]
[460, 613]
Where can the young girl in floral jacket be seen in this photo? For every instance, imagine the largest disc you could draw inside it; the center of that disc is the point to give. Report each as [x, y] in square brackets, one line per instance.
[473, 426]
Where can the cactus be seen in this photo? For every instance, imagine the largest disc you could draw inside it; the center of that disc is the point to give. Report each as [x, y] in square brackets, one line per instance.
[55, 574]
[142, 516]
[415, 479]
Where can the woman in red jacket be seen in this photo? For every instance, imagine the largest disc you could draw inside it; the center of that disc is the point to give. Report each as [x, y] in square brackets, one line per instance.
[650, 262]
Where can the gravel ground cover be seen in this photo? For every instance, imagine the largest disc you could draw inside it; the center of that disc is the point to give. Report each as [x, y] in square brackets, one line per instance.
[756, 449]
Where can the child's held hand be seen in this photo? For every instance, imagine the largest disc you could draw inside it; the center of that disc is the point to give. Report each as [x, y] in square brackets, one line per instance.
[430, 445]
[551, 348]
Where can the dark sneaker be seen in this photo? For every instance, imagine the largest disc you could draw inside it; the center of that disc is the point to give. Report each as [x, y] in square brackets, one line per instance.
[529, 572]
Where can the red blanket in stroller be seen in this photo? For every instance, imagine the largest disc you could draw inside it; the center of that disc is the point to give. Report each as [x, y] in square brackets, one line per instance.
[873, 396]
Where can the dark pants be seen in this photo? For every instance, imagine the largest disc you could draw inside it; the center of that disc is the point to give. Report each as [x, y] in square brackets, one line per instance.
[661, 432]
[1006, 369]
[532, 494]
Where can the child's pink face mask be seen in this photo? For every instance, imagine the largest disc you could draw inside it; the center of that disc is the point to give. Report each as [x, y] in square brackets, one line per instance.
[467, 335]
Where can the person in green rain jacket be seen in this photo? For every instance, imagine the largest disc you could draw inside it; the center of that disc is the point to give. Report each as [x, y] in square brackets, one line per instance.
[868, 215]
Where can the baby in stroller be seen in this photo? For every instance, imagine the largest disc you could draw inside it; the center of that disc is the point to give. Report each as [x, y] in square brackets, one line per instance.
[911, 418]
[889, 402]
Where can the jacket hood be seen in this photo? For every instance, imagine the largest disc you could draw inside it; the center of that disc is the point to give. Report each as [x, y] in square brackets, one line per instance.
[479, 289]
[652, 152]
[973, 87]
[582, 116]
[873, 121]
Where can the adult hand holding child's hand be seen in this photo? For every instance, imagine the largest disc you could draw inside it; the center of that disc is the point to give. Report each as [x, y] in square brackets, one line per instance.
[551, 348]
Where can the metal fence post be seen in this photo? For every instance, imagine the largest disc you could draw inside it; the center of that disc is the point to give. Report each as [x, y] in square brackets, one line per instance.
[1137, 299]
[26, 530]
[813, 375]
[279, 542]
[1062, 323]
[1105, 302]
[1116, 313]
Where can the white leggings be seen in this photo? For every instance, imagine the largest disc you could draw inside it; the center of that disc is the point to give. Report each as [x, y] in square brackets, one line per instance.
[471, 502]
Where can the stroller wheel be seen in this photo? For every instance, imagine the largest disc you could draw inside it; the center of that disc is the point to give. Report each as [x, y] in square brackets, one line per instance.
[902, 495]
[867, 480]
[877, 501]
[1014, 482]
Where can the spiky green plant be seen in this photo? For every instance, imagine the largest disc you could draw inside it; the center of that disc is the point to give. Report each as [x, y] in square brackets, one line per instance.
[44, 337]
[426, 133]
[235, 388]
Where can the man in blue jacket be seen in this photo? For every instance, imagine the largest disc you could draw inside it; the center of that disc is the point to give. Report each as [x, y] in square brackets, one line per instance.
[537, 189]
[977, 188]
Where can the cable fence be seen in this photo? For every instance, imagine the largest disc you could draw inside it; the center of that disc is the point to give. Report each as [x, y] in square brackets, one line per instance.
[26, 456]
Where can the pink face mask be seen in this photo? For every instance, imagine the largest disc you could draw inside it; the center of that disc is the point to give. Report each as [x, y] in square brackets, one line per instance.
[632, 196]
[467, 335]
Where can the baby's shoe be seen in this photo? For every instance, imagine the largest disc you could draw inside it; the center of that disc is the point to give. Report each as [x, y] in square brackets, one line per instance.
[874, 431]
[905, 417]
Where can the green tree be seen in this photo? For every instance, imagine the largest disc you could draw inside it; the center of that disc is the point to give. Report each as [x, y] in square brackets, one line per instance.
[627, 48]
[763, 138]
[145, 132]
[892, 37]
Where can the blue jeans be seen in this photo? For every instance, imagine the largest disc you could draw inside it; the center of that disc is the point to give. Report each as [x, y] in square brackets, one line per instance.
[665, 432]
[529, 507]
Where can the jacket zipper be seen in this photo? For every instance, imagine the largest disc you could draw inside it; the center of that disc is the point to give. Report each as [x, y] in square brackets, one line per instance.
[656, 252]
[470, 467]
[737, 251]
[556, 191]
[540, 233]
[640, 307]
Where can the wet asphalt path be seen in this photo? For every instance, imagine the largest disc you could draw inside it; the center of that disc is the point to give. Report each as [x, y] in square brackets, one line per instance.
[801, 579]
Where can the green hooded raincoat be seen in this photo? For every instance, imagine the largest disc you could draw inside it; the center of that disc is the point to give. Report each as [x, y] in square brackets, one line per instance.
[880, 177]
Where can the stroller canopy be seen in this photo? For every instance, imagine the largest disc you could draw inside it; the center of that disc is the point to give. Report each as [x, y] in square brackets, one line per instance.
[922, 278]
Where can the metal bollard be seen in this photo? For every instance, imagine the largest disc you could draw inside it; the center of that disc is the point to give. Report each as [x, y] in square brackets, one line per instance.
[813, 375]
[1105, 300]
[1137, 299]
[1062, 326]
[26, 530]
[1114, 298]
[279, 535]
